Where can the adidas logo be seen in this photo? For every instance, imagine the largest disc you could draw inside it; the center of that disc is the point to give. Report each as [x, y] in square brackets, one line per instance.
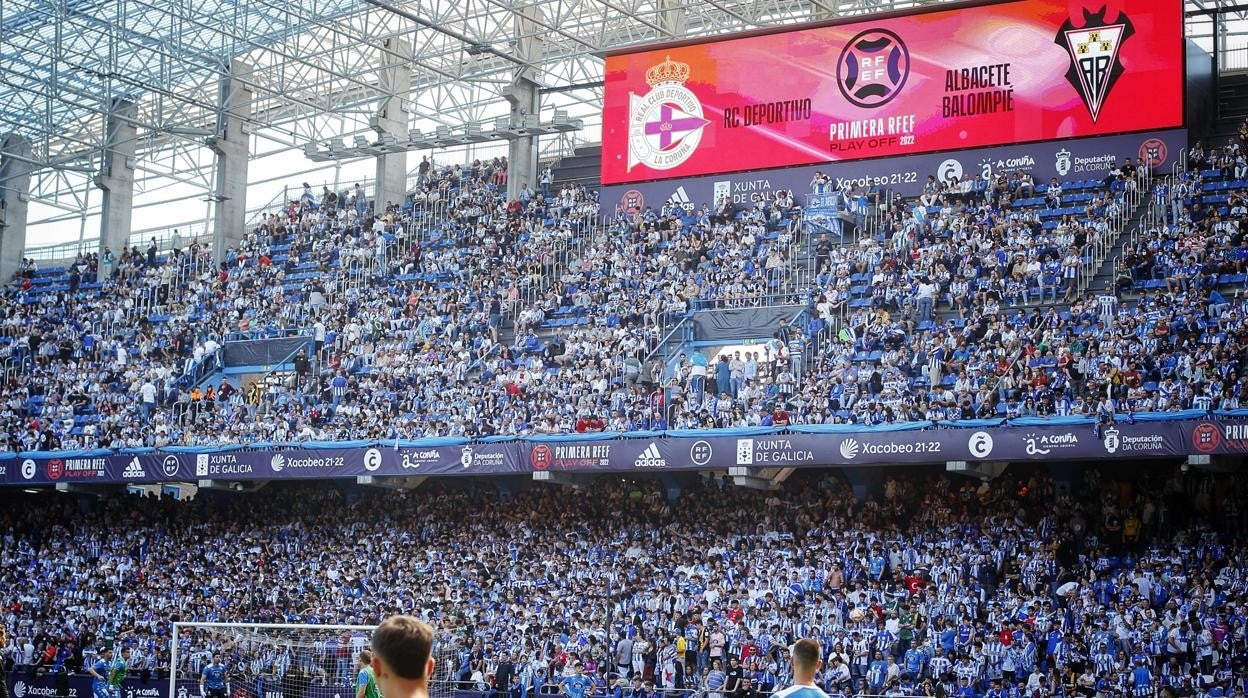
[650, 458]
[134, 470]
[681, 198]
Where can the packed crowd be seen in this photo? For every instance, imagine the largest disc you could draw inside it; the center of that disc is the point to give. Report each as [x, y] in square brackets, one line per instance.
[459, 313]
[1018, 337]
[113, 357]
[1132, 583]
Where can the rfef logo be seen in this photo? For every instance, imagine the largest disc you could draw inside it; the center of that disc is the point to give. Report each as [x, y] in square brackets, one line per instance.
[873, 68]
[632, 202]
[700, 452]
[540, 457]
[1206, 437]
[1093, 49]
[665, 125]
[1153, 152]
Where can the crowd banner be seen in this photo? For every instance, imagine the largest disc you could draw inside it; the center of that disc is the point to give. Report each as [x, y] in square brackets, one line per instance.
[1169, 435]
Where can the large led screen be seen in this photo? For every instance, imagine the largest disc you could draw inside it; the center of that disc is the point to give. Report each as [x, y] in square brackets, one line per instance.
[971, 76]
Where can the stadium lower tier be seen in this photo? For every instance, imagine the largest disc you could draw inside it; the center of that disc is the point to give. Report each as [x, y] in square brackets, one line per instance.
[1122, 580]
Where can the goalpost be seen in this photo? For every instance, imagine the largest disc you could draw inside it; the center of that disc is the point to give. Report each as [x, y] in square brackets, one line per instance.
[287, 660]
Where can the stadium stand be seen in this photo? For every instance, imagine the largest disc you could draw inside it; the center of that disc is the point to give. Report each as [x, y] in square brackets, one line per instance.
[1017, 587]
[550, 321]
[462, 314]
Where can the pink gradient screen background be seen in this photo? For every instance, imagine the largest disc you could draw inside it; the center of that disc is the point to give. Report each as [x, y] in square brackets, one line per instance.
[803, 63]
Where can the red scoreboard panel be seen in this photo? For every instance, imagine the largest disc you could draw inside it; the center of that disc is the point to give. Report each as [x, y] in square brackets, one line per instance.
[960, 77]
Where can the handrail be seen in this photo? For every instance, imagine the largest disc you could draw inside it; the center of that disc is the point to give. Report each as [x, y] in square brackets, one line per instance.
[667, 337]
[267, 333]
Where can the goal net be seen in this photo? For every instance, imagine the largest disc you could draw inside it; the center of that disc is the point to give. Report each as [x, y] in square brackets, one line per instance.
[286, 660]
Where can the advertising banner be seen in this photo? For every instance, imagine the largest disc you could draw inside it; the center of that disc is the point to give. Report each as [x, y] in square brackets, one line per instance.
[277, 463]
[942, 79]
[1213, 437]
[1087, 158]
[1070, 439]
[24, 685]
[1079, 442]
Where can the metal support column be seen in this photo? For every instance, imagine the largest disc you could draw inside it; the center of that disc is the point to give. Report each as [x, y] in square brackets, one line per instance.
[232, 144]
[525, 101]
[116, 177]
[15, 167]
[673, 17]
[396, 80]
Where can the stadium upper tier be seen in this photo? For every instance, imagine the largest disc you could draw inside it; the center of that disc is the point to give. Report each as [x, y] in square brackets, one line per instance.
[1015, 587]
[463, 314]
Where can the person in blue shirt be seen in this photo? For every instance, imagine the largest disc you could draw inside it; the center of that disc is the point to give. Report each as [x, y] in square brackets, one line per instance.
[878, 673]
[948, 637]
[877, 563]
[1141, 681]
[100, 672]
[913, 663]
[697, 375]
[806, 658]
[715, 679]
[578, 685]
[212, 679]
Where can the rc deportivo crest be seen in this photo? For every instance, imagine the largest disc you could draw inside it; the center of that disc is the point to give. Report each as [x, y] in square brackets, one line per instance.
[1093, 49]
[665, 125]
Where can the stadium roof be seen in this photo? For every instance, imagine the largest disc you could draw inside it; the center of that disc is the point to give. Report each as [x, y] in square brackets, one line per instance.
[314, 72]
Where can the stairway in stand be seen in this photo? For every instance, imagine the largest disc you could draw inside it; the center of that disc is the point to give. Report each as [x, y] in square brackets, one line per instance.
[1232, 109]
[583, 167]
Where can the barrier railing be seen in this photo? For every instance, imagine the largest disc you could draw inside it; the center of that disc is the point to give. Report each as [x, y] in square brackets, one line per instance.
[175, 235]
[562, 254]
[1233, 60]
